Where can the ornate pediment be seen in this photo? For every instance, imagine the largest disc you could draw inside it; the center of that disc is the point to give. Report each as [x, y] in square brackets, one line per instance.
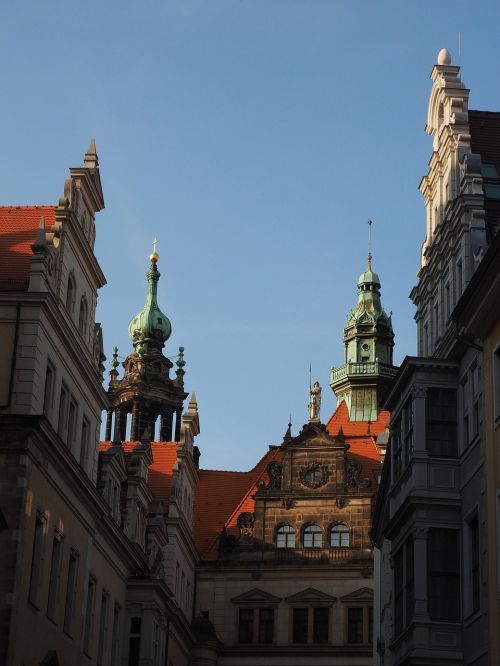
[256, 596]
[313, 435]
[362, 595]
[310, 596]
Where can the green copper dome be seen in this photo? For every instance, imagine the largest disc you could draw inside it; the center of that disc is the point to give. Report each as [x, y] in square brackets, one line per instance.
[150, 328]
[369, 277]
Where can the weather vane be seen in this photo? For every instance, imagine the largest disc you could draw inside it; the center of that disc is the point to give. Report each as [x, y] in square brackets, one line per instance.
[370, 222]
[154, 256]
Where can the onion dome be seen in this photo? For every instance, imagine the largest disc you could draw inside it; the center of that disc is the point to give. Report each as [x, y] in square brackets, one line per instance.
[150, 328]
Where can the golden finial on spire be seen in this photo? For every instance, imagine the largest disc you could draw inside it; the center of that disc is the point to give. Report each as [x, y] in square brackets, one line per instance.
[154, 256]
[370, 244]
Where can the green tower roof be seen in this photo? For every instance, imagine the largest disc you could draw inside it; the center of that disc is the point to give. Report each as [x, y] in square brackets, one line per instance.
[150, 328]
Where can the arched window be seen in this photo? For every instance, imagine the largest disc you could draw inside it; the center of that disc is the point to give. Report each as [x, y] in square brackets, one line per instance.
[313, 536]
[285, 537]
[70, 294]
[82, 318]
[339, 536]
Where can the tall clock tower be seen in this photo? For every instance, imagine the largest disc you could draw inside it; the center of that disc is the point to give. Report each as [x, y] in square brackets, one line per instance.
[368, 346]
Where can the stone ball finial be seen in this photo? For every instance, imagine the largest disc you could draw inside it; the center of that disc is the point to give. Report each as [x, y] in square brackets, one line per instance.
[444, 57]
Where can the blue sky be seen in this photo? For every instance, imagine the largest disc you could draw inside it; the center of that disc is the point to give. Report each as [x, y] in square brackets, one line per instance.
[254, 139]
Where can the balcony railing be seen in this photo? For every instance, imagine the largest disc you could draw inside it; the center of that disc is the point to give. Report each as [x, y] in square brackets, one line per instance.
[376, 368]
[315, 554]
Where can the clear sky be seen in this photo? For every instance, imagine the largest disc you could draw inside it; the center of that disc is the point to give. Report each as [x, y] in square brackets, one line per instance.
[254, 138]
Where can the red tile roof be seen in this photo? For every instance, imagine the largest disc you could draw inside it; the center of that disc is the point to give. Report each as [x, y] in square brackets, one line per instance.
[220, 497]
[18, 229]
[340, 419]
[361, 437]
[160, 472]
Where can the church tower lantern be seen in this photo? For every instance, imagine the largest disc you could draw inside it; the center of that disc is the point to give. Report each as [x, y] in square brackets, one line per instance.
[147, 392]
[368, 349]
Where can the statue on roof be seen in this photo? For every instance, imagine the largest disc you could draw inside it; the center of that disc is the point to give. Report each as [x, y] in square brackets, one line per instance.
[314, 401]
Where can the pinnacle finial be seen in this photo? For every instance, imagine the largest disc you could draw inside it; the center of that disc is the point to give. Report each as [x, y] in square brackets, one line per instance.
[288, 434]
[444, 57]
[91, 160]
[154, 256]
[114, 363]
[180, 359]
[370, 222]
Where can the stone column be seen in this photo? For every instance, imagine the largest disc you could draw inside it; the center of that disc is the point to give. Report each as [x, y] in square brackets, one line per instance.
[134, 430]
[118, 425]
[166, 426]
[109, 417]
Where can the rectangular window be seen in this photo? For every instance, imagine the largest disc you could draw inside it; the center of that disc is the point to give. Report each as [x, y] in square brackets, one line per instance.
[69, 609]
[115, 640]
[404, 586]
[409, 581]
[103, 628]
[443, 574]
[496, 383]
[354, 625]
[266, 625]
[408, 430]
[89, 615]
[436, 321]
[321, 620]
[447, 300]
[245, 625]
[71, 422]
[489, 171]
[300, 625]
[49, 389]
[134, 646]
[475, 401]
[398, 592]
[37, 558]
[465, 411]
[474, 563]
[84, 442]
[61, 423]
[370, 624]
[459, 279]
[441, 415]
[397, 448]
[492, 191]
[55, 576]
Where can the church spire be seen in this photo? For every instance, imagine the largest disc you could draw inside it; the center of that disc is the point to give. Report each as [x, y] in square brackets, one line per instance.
[368, 347]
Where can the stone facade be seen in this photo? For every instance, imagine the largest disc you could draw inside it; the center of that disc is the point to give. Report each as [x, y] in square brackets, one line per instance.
[431, 522]
[82, 555]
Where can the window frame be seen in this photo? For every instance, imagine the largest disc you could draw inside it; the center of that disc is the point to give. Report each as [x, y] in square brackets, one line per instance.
[334, 529]
[313, 531]
[289, 536]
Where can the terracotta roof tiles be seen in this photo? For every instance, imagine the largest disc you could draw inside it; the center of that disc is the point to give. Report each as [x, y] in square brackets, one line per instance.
[220, 498]
[18, 229]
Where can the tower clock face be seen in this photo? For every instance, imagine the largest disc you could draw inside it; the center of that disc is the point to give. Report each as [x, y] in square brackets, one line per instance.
[314, 475]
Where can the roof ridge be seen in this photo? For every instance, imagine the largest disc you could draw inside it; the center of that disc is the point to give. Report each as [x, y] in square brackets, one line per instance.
[22, 206]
